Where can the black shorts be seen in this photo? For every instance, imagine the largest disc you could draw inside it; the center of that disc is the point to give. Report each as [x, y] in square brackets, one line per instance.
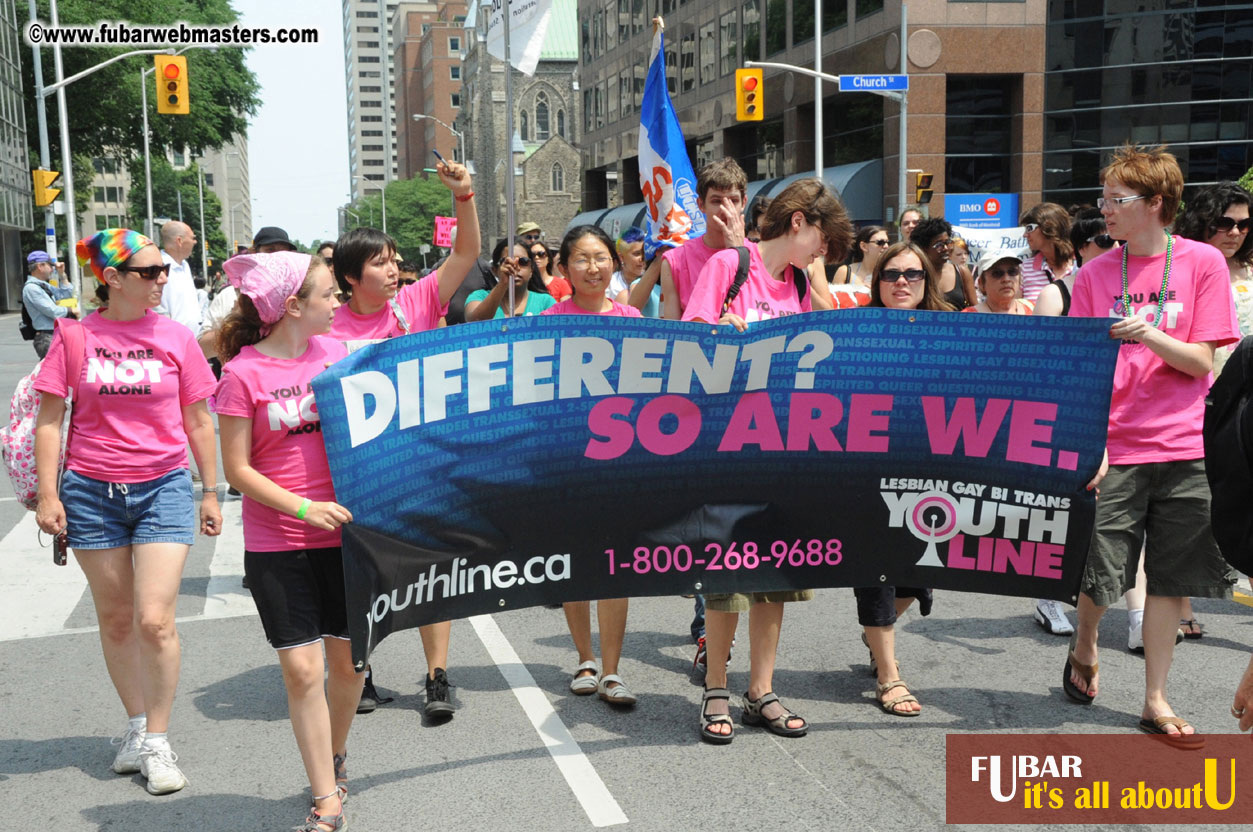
[876, 605]
[299, 595]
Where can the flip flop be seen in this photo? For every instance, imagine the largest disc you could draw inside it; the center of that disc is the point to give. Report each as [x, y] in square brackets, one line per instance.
[1088, 672]
[1187, 625]
[1157, 727]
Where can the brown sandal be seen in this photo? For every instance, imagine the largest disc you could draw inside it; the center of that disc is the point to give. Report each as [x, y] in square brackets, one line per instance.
[889, 705]
[1086, 671]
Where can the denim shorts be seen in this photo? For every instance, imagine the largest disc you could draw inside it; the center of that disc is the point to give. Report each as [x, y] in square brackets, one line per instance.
[106, 515]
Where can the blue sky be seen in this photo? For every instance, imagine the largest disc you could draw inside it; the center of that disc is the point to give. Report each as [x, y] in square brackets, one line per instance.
[298, 141]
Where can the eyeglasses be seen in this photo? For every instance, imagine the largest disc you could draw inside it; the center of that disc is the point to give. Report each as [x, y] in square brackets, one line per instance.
[530, 237]
[1029, 227]
[582, 264]
[150, 272]
[879, 243]
[942, 245]
[1001, 274]
[1117, 201]
[1225, 224]
[912, 275]
[536, 255]
[1101, 240]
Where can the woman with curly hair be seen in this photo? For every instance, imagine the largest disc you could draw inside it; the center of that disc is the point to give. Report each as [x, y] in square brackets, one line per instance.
[1219, 215]
[934, 236]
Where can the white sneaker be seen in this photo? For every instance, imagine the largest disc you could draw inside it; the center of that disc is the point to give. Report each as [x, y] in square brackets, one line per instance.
[1135, 637]
[130, 743]
[158, 765]
[1050, 616]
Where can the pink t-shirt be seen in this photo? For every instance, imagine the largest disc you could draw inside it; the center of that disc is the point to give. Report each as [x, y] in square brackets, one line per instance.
[275, 393]
[1037, 273]
[569, 307]
[418, 301]
[761, 297]
[686, 263]
[137, 377]
[1156, 411]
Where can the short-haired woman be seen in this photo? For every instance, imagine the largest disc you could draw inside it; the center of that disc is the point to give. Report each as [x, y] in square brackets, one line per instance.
[803, 223]
[934, 236]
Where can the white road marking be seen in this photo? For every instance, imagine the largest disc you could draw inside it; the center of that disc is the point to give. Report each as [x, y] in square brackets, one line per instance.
[581, 776]
[36, 596]
[225, 596]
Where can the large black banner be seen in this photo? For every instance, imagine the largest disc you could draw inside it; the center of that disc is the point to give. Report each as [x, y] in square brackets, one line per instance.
[496, 466]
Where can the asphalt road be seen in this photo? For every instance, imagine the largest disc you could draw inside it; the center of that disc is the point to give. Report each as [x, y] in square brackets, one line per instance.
[522, 753]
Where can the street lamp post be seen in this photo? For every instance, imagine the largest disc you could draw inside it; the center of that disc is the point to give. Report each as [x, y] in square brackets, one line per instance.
[461, 137]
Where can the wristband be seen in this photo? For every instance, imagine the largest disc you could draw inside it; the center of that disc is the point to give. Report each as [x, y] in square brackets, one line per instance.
[209, 489]
[466, 198]
[304, 508]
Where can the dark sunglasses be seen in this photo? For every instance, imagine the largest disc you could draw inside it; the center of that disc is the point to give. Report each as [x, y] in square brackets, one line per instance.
[535, 255]
[1101, 240]
[997, 274]
[912, 275]
[522, 262]
[1225, 224]
[150, 272]
[879, 243]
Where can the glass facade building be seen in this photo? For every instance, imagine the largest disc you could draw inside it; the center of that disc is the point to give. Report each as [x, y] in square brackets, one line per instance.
[1174, 72]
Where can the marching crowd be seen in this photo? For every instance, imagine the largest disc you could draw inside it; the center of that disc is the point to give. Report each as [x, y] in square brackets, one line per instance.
[1177, 303]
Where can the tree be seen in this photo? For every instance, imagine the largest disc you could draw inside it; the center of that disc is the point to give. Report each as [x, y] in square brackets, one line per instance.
[1246, 181]
[105, 106]
[168, 185]
[412, 205]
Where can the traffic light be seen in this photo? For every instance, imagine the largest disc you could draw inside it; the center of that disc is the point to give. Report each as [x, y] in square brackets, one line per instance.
[749, 105]
[45, 195]
[172, 98]
[922, 188]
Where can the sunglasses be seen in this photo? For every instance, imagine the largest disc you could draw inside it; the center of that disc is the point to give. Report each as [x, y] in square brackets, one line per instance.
[912, 275]
[150, 272]
[1225, 224]
[998, 274]
[536, 255]
[1029, 227]
[942, 245]
[1101, 240]
[530, 237]
[879, 243]
[522, 262]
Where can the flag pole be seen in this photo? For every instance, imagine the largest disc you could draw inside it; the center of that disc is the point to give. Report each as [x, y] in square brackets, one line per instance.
[510, 224]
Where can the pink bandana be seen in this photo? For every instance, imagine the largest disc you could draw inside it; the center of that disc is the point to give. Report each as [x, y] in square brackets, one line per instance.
[268, 280]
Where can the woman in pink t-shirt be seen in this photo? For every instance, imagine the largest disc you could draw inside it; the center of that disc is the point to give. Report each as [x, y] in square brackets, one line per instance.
[374, 310]
[588, 260]
[803, 223]
[273, 344]
[126, 501]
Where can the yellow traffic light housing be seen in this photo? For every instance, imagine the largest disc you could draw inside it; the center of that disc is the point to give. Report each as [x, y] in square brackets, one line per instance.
[749, 104]
[172, 98]
[44, 195]
[922, 188]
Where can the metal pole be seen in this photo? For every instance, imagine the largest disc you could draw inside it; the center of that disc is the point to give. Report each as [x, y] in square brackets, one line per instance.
[45, 153]
[385, 65]
[509, 183]
[818, 88]
[67, 159]
[178, 192]
[904, 126]
[143, 88]
[204, 241]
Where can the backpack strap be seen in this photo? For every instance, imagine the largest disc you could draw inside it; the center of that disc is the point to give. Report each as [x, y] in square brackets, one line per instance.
[741, 275]
[75, 351]
[801, 278]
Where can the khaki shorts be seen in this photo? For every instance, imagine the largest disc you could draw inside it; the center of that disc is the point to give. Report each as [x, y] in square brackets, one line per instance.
[743, 601]
[1164, 507]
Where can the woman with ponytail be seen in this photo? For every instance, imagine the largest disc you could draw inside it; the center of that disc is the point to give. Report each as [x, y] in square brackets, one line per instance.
[273, 344]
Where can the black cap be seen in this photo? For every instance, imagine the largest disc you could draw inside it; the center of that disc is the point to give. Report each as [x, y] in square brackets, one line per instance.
[269, 235]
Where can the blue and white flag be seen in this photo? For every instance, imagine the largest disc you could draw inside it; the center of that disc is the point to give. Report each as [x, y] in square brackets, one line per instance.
[666, 175]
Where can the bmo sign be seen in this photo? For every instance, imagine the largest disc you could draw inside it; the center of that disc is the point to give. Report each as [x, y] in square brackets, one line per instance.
[982, 210]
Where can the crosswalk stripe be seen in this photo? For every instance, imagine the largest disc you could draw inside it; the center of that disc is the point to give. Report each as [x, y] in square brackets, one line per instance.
[225, 596]
[36, 597]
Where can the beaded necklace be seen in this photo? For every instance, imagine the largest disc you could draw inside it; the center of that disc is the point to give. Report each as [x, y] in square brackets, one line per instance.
[1161, 295]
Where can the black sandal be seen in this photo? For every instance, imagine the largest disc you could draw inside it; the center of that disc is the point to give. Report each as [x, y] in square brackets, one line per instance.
[708, 720]
[778, 725]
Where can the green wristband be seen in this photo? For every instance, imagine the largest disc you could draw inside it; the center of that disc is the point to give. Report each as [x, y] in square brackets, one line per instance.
[304, 508]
